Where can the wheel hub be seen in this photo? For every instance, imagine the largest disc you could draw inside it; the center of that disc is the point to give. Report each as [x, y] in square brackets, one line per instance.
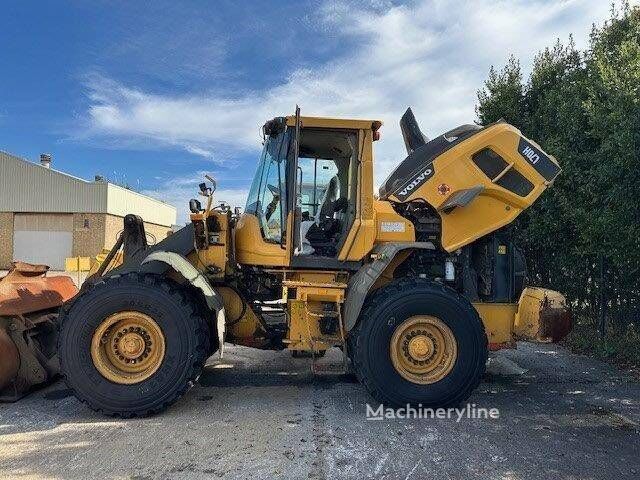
[423, 349]
[132, 345]
[420, 347]
[128, 347]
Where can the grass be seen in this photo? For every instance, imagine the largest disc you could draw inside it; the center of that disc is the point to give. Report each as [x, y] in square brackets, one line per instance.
[620, 347]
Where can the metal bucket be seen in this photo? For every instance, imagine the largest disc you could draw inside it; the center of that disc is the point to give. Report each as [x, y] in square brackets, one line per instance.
[543, 316]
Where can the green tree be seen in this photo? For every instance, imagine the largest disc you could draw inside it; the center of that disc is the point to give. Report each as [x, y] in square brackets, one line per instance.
[502, 96]
[612, 105]
[584, 108]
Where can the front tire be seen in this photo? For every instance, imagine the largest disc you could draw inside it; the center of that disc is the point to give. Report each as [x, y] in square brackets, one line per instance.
[132, 345]
[418, 342]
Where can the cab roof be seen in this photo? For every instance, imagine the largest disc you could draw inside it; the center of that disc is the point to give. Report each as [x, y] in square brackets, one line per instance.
[324, 122]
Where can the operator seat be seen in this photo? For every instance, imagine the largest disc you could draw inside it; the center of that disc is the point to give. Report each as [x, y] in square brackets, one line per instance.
[324, 234]
[328, 199]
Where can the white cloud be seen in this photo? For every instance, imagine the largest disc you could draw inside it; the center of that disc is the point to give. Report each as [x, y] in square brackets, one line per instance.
[432, 55]
[199, 151]
[178, 191]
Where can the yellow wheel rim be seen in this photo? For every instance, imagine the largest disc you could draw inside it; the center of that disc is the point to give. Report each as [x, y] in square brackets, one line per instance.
[423, 349]
[128, 347]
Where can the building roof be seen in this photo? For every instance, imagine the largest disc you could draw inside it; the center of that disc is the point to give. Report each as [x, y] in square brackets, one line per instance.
[30, 187]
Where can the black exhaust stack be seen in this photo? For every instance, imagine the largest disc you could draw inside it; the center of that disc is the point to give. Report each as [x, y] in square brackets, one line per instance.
[413, 137]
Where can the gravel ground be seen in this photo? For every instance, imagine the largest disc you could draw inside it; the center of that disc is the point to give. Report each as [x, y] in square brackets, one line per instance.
[264, 415]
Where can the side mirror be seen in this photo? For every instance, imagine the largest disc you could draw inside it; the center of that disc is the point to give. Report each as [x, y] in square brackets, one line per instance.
[207, 191]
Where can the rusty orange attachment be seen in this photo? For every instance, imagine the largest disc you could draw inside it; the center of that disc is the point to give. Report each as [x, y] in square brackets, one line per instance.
[25, 289]
[28, 303]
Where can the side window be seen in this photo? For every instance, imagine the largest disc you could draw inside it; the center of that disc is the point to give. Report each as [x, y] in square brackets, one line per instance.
[489, 162]
[326, 188]
[271, 201]
[254, 191]
[515, 182]
[316, 175]
[267, 195]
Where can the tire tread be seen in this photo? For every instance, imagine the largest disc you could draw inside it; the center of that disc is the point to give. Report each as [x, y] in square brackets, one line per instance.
[202, 334]
[375, 301]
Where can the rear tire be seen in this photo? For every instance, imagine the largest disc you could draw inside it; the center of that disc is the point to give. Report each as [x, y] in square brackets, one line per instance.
[386, 313]
[174, 323]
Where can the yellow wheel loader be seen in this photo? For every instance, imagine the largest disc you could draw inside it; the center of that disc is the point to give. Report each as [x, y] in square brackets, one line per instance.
[414, 284]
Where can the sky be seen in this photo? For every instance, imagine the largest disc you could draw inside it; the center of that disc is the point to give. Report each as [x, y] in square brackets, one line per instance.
[155, 94]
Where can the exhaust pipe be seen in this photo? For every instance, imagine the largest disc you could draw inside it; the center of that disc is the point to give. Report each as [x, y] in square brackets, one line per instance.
[411, 133]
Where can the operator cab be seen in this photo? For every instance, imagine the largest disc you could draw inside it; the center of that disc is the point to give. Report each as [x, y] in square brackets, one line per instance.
[306, 181]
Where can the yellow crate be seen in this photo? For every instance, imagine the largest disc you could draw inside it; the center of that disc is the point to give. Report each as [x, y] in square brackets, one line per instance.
[77, 264]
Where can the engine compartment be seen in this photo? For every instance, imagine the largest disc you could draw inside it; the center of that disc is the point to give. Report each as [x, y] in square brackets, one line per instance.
[490, 269]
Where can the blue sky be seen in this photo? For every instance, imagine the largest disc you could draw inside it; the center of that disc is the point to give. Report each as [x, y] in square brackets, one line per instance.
[156, 93]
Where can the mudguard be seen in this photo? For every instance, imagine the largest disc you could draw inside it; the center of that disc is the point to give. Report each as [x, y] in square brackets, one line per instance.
[363, 280]
[214, 301]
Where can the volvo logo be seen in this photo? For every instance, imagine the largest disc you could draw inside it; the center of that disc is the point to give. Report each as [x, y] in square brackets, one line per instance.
[416, 182]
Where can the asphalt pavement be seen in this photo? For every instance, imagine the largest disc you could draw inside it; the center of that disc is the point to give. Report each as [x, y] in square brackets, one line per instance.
[261, 414]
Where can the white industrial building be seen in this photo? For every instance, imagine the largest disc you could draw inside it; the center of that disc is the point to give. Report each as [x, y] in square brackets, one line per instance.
[47, 216]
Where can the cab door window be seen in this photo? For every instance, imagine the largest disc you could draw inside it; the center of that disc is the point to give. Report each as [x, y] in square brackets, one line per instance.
[267, 196]
[272, 201]
[316, 174]
[326, 186]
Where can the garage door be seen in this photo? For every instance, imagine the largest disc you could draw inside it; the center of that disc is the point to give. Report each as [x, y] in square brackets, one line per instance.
[42, 238]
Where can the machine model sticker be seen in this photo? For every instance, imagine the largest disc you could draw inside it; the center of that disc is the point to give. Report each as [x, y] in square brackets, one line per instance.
[408, 188]
[392, 227]
[538, 159]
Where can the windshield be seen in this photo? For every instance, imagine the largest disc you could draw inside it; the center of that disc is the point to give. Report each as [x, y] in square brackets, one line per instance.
[267, 196]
